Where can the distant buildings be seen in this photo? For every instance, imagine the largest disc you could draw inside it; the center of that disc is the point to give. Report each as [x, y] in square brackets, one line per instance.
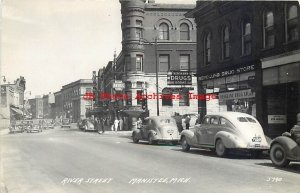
[12, 98]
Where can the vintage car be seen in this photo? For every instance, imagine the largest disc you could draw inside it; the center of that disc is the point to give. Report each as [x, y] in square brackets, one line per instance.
[27, 124]
[49, 123]
[16, 127]
[286, 148]
[224, 131]
[66, 123]
[87, 125]
[36, 127]
[157, 129]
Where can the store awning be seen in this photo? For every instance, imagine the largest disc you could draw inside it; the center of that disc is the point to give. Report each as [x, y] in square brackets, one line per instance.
[18, 111]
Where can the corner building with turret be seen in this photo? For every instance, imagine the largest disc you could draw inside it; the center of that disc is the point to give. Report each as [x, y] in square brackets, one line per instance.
[157, 40]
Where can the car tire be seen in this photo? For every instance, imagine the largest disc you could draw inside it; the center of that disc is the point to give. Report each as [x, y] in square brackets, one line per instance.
[151, 141]
[184, 144]
[278, 155]
[134, 138]
[221, 150]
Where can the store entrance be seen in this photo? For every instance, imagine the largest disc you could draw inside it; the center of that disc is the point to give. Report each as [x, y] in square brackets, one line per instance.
[282, 106]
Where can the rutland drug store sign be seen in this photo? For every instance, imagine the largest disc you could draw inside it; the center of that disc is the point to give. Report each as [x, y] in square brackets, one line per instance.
[179, 78]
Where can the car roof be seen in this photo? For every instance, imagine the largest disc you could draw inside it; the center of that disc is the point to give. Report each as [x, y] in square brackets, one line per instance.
[230, 115]
[156, 118]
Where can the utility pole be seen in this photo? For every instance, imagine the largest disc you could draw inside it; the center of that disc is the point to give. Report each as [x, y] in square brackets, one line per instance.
[156, 64]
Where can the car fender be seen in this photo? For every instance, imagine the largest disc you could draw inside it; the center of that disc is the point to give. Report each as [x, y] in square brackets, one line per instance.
[138, 133]
[189, 136]
[291, 148]
[155, 133]
[230, 140]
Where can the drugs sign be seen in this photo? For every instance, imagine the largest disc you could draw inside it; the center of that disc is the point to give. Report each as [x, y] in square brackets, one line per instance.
[118, 85]
[179, 78]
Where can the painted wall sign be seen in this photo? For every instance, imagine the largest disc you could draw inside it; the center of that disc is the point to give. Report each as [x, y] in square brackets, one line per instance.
[229, 72]
[239, 94]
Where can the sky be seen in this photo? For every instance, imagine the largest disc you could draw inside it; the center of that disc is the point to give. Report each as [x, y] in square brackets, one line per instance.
[55, 42]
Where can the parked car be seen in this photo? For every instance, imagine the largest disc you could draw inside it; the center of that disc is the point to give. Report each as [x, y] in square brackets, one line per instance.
[82, 123]
[157, 129]
[16, 127]
[27, 124]
[49, 123]
[35, 127]
[224, 131]
[87, 125]
[286, 148]
[66, 123]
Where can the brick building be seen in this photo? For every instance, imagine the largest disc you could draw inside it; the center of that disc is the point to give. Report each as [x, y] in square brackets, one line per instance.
[154, 35]
[248, 54]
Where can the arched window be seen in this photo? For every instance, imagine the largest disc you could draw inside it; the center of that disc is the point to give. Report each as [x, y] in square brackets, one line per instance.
[167, 97]
[207, 49]
[292, 23]
[225, 42]
[246, 38]
[163, 31]
[268, 30]
[184, 31]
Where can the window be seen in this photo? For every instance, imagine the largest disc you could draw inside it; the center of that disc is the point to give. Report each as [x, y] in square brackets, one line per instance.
[128, 63]
[207, 50]
[184, 62]
[164, 63]
[184, 32]
[139, 63]
[246, 38]
[225, 42]
[139, 22]
[127, 33]
[184, 98]
[138, 33]
[206, 120]
[214, 121]
[129, 95]
[127, 22]
[268, 31]
[163, 31]
[292, 23]
[139, 84]
[167, 97]
[139, 99]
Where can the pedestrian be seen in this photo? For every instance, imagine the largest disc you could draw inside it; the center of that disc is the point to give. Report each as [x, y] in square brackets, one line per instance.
[96, 125]
[187, 122]
[121, 123]
[116, 124]
[139, 123]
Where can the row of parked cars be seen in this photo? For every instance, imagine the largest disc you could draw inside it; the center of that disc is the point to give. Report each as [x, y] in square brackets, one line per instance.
[29, 126]
[222, 132]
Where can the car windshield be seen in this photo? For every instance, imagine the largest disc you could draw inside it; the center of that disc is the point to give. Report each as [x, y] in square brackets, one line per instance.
[246, 119]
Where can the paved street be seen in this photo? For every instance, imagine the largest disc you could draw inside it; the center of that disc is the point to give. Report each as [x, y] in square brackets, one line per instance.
[69, 160]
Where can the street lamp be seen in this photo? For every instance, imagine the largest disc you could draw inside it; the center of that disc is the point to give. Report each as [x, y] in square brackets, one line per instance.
[156, 72]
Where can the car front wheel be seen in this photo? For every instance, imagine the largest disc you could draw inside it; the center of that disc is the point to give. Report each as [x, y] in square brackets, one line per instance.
[184, 144]
[221, 150]
[134, 138]
[151, 140]
[278, 156]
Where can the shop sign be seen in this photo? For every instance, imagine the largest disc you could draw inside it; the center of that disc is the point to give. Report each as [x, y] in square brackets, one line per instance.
[118, 85]
[179, 78]
[276, 119]
[240, 94]
[229, 72]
